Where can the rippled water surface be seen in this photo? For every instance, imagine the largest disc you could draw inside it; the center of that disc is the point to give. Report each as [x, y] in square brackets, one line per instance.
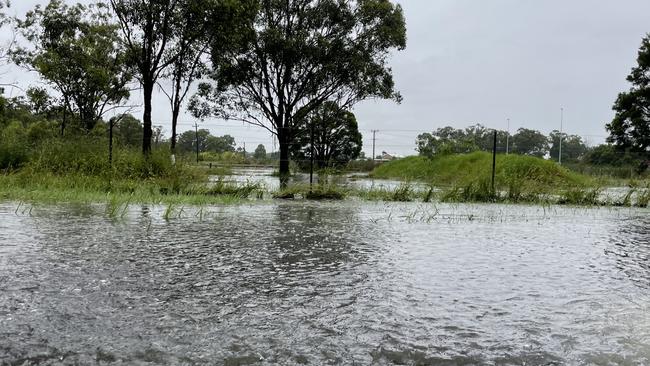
[325, 283]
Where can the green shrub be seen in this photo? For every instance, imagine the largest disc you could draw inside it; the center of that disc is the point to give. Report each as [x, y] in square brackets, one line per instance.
[13, 146]
[580, 196]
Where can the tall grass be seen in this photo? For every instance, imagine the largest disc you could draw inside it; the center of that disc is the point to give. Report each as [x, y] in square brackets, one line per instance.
[463, 168]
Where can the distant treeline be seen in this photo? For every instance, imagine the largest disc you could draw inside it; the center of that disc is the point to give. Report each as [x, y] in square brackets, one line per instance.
[449, 140]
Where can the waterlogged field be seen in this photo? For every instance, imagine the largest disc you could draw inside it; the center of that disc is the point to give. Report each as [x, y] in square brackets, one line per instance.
[346, 282]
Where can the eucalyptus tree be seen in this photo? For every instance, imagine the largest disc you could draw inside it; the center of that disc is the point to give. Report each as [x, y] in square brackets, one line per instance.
[76, 50]
[4, 20]
[199, 25]
[530, 142]
[573, 147]
[630, 128]
[331, 133]
[148, 28]
[260, 153]
[294, 55]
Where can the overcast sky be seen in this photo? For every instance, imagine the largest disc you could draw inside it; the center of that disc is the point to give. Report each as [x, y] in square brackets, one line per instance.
[484, 61]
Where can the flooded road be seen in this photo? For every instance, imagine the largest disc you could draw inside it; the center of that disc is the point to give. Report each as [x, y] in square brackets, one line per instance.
[325, 283]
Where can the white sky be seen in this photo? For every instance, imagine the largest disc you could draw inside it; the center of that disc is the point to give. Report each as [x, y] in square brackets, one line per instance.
[483, 61]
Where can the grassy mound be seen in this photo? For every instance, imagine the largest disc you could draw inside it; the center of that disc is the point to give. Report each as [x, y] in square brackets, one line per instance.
[469, 175]
[451, 169]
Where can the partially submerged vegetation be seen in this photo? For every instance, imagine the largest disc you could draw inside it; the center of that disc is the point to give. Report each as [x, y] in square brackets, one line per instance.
[518, 179]
[66, 171]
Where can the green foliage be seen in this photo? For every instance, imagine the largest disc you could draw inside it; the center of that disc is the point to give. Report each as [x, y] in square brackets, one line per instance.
[448, 140]
[630, 128]
[127, 131]
[573, 148]
[336, 137]
[479, 190]
[455, 169]
[13, 146]
[77, 51]
[530, 142]
[287, 66]
[607, 161]
[643, 199]
[580, 196]
[225, 158]
[89, 156]
[365, 165]
[222, 187]
[260, 153]
[403, 193]
[207, 143]
[328, 192]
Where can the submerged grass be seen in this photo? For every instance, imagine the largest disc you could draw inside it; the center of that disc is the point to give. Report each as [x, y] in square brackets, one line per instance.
[319, 192]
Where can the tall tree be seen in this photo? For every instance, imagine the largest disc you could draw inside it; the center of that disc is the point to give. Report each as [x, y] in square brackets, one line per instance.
[630, 128]
[4, 20]
[148, 28]
[207, 142]
[336, 137]
[220, 144]
[530, 142]
[128, 131]
[201, 24]
[298, 54]
[76, 50]
[573, 148]
[260, 153]
[445, 140]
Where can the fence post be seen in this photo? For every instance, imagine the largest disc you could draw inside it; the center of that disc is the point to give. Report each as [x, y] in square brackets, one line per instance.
[494, 161]
[311, 159]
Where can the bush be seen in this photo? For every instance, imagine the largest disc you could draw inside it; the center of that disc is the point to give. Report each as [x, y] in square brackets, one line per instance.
[13, 146]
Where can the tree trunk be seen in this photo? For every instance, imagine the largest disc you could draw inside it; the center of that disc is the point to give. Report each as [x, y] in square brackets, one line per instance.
[65, 116]
[175, 113]
[283, 139]
[146, 119]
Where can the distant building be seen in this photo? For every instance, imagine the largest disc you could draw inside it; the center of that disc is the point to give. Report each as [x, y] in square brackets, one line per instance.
[386, 157]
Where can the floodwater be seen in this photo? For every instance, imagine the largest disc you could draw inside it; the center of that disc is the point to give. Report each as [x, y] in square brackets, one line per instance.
[324, 283]
[264, 177]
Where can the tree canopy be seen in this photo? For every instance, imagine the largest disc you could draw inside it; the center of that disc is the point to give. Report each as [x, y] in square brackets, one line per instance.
[573, 148]
[295, 55]
[336, 137]
[76, 50]
[449, 140]
[260, 153]
[630, 128]
[147, 28]
[207, 142]
[530, 142]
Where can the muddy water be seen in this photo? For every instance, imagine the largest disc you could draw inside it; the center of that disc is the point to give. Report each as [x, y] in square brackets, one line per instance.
[325, 283]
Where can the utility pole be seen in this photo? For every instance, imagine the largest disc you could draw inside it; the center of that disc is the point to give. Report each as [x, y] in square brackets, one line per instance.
[196, 132]
[508, 138]
[374, 132]
[561, 129]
